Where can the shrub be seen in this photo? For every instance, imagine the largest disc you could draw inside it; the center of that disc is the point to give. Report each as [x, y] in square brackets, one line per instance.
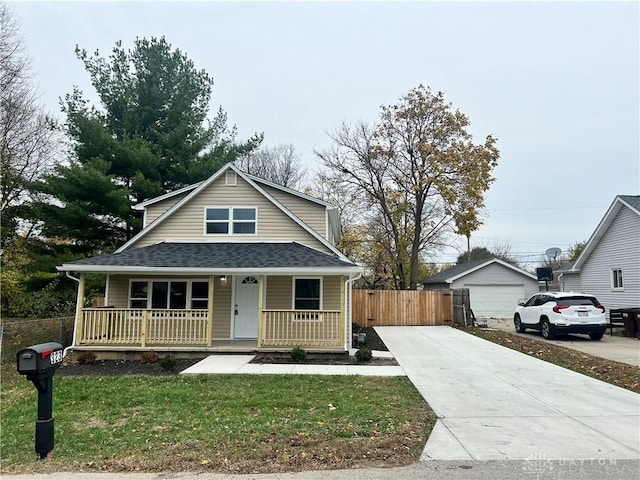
[298, 354]
[150, 357]
[355, 327]
[364, 354]
[87, 358]
[168, 363]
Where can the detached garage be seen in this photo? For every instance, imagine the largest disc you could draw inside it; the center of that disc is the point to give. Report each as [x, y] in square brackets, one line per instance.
[495, 286]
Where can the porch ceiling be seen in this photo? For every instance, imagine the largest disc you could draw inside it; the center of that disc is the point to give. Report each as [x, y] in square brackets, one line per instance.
[216, 257]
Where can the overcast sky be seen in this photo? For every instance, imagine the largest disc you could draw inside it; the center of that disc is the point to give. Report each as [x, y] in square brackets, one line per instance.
[556, 83]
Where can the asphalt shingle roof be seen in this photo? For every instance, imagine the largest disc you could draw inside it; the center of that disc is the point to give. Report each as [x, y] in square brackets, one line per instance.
[441, 277]
[633, 200]
[219, 256]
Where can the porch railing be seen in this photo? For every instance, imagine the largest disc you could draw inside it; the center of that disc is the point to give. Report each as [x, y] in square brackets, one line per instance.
[125, 326]
[308, 328]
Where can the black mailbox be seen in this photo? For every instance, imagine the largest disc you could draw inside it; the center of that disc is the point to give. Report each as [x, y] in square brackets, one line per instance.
[39, 363]
[39, 359]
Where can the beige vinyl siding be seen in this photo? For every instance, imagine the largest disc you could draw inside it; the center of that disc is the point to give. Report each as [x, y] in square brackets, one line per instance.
[118, 291]
[331, 293]
[311, 213]
[222, 309]
[119, 298]
[280, 293]
[155, 210]
[187, 223]
[278, 296]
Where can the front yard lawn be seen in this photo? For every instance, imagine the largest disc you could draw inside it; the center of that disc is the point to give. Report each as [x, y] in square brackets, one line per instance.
[240, 424]
[616, 373]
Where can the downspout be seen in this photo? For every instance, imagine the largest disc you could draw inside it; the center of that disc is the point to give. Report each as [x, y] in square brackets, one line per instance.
[75, 320]
[350, 301]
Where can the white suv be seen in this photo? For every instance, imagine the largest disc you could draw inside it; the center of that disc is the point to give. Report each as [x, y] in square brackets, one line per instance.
[557, 313]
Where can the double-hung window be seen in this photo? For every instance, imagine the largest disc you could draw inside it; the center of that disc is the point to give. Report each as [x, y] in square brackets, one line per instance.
[307, 295]
[616, 279]
[231, 221]
[173, 294]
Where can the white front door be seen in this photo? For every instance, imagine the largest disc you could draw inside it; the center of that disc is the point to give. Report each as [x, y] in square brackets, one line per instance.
[245, 323]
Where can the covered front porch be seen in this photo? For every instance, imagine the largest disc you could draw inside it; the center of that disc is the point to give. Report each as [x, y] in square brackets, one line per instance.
[201, 296]
[193, 329]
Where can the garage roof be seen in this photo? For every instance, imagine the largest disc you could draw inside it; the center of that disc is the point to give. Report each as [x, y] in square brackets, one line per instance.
[462, 269]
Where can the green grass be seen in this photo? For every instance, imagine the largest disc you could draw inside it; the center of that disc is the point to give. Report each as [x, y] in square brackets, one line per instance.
[223, 423]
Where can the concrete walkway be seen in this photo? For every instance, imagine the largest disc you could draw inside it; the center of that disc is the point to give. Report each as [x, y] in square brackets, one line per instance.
[494, 403]
[620, 349]
[240, 364]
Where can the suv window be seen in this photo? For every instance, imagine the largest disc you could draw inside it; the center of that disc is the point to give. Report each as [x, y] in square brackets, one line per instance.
[532, 301]
[542, 299]
[571, 301]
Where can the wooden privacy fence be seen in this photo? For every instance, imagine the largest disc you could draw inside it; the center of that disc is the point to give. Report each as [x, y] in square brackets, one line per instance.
[402, 307]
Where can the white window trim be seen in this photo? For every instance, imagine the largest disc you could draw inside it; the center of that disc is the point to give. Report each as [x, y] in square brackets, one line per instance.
[230, 222]
[612, 277]
[293, 298]
[230, 180]
[189, 282]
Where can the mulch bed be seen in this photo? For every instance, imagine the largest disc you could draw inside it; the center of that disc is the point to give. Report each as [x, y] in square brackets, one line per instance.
[374, 342]
[110, 368]
[136, 367]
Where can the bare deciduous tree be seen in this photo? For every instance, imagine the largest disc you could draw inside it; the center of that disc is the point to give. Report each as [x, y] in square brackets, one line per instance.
[27, 134]
[280, 164]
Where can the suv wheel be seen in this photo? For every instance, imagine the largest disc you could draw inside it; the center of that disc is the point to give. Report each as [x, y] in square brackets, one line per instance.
[547, 330]
[596, 335]
[517, 323]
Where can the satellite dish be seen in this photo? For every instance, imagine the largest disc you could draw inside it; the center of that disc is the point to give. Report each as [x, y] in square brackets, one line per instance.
[553, 252]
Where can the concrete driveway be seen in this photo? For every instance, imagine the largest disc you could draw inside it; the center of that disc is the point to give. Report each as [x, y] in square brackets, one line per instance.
[494, 403]
[620, 349]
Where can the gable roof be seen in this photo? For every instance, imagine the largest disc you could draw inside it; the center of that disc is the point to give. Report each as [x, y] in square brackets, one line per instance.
[222, 258]
[463, 269]
[632, 202]
[203, 185]
[151, 201]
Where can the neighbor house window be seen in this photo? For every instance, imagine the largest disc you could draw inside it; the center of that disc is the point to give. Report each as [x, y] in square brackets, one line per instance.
[173, 294]
[616, 279]
[231, 221]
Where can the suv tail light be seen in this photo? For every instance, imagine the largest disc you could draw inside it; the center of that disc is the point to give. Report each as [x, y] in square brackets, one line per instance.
[557, 308]
[601, 307]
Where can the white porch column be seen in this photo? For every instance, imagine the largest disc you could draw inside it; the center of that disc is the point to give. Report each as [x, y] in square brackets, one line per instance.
[79, 307]
[212, 280]
[260, 308]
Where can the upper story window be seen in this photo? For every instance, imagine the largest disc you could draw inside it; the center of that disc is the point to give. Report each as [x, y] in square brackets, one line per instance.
[616, 279]
[231, 220]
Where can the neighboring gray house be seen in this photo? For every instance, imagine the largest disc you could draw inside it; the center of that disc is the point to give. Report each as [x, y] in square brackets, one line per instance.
[609, 265]
[494, 286]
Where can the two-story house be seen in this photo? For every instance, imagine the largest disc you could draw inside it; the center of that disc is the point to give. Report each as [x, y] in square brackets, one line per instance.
[233, 263]
[609, 265]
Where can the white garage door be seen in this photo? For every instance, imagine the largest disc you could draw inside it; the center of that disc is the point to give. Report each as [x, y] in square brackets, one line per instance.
[495, 301]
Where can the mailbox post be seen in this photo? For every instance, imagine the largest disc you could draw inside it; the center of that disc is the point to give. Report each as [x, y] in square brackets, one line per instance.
[39, 363]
